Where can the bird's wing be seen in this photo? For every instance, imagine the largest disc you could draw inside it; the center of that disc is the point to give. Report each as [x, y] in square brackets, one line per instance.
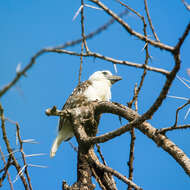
[76, 99]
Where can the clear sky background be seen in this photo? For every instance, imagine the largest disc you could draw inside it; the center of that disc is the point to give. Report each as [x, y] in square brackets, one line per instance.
[28, 26]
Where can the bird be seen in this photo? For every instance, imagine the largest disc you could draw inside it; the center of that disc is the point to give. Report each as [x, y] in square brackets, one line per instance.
[97, 87]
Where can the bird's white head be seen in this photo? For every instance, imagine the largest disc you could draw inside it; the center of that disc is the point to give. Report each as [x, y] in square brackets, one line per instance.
[104, 76]
[100, 88]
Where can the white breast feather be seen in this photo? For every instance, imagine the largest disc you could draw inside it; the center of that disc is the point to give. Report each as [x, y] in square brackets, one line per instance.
[99, 90]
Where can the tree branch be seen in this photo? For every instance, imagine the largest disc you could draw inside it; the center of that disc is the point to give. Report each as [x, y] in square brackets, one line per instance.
[94, 160]
[9, 149]
[172, 128]
[23, 156]
[182, 39]
[135, 121]
[5, 169]
[109, 59]
[130, 30]
[150, 21]
[145, 127]
[177, 111]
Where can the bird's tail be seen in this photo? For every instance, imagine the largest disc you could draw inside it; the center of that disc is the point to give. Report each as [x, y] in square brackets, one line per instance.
[55, 145]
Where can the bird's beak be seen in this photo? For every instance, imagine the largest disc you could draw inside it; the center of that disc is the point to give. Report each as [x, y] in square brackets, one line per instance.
[114, 78]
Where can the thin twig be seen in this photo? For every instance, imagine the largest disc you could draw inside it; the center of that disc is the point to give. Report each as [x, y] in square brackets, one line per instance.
[5, 169]
[132, 144]
[9, 149]
[177, 111]
[120, 176]
[83, 40]
[147, 56]
[97, 179]
[23, 156]
[81, 62]
[93, 159]
[150, 21]
[172, 128]
[182, 39]
[82, 27]
[132, 10]
[135, 98]
[170, 77]
[7, 165]
[73, 147]
[131, 156]
[101, 155]
[130, 30]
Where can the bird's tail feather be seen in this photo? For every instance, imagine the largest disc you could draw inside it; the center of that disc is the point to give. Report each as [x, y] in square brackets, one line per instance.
[55, 146]
[63, 135]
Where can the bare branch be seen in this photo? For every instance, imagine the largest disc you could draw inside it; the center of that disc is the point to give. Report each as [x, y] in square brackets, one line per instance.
[150, 21]
[81, 63]
[172, 128]
[182, 38]
[131, 156]
[82, 27]
[130, 30]
[98, 179]
[147, 56]
[23, 156]
[132, 143]
[83, 40]
[6, 172]
[100, 153]
[164, 90]
[177, 111]
[132, 10]
[135, 121]
[109, 59]
[85, 137]
[94, 160]
[9, 149]
[146, 128]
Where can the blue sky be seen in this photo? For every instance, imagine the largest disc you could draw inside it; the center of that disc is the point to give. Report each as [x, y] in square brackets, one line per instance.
[28, 26]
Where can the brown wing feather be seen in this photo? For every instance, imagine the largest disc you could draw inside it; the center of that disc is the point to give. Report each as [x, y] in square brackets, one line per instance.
[76, 99]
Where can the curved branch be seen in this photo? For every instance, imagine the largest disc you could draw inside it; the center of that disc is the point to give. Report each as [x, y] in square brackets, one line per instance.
[136, 121]
[182, 38]
[151, 132]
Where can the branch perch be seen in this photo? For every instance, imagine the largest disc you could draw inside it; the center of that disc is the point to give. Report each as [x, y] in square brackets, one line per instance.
[136, 121]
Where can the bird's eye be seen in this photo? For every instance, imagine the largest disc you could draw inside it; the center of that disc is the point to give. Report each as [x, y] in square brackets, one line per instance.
[105, 73]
